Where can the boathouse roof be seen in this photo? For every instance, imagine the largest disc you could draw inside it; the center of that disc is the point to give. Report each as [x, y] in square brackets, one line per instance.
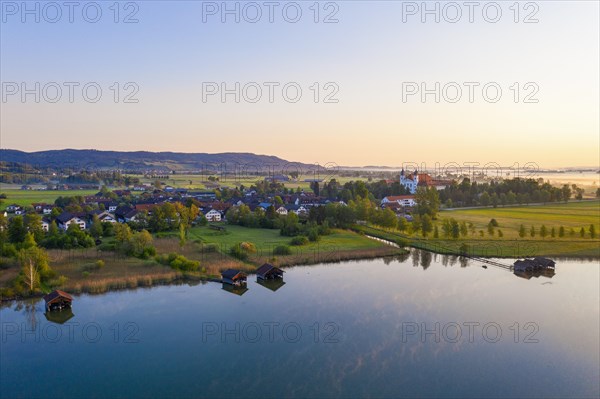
[267, 267]
[57, 294]
[231, 273]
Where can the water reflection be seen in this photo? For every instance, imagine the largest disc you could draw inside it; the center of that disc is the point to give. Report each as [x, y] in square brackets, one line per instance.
[272, 284]
[59, 316]
[235, 289]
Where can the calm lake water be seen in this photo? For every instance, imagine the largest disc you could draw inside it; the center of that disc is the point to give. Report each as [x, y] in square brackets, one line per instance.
[426, 325]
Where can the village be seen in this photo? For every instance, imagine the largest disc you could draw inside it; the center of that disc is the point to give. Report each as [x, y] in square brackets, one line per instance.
[135, 205]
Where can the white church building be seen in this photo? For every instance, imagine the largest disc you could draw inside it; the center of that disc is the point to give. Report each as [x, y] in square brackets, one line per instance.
[411, 182]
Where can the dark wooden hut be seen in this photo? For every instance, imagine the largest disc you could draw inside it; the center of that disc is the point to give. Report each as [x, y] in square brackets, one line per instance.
[268, 272]
[234, 277]
[57, 300]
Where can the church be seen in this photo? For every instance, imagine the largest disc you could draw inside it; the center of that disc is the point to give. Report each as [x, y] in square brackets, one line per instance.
[409, 182]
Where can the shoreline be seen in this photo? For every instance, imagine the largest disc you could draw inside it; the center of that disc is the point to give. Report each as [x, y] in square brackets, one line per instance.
[175, 277]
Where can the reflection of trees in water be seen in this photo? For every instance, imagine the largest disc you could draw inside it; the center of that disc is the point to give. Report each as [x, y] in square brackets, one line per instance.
[426, 258]
[28, 308]
[401, 258]
[416, 254]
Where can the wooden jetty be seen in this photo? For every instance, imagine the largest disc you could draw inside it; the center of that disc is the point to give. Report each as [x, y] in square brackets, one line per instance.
[58, 300]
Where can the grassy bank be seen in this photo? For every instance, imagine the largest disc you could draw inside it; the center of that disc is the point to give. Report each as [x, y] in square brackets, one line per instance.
[77, 271]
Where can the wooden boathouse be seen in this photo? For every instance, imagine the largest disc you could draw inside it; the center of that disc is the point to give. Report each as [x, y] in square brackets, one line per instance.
[532, 265]
[234, 277]
[57, 300]
[268, 272]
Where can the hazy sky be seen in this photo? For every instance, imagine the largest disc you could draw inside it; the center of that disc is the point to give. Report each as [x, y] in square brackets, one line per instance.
[369, 57]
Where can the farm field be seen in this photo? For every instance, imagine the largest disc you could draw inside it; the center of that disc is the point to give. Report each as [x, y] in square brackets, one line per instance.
[27, 197]
[570, 215]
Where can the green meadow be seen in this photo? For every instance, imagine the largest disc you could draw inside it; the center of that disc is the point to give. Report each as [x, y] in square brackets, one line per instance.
[27, 197]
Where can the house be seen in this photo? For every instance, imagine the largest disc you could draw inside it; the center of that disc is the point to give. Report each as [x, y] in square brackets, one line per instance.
[403, 200]
[45, 225]
[125, 214]
[268, 271]
[297, 209]
[47, 209]
[264, 205]
[234, 277]
[213, 215]
[281, 210]
[65, 219]
[57, 300]
[40, 206]
[105, 216]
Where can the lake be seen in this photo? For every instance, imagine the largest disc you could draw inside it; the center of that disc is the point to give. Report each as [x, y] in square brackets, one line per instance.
[420, 325]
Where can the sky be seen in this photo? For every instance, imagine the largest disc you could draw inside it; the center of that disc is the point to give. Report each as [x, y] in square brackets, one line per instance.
[349, 82]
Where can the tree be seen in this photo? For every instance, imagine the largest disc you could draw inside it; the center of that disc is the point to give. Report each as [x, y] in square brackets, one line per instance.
[553, 232]
[16, 230]
[463, 229]
[123, 235]
[566, 193]
[592, 231]
[532, 231]
[33, 224]
[141, 244]
[436, 232]
[582, 232]
[402, 223]
[454, 229]
[29, 241]
[522, 231]
[428, 201]
[389, 219]
[484, 199]
[490, 229]
[426, 225]
[35, 267]
[543, 231]
[182, 235]
[561, 231]
[96, 229]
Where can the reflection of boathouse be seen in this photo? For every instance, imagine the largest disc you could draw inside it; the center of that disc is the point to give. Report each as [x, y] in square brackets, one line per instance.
[268, 272]
[57, 300]
[60, 317]
[234, 277]
[235, 289]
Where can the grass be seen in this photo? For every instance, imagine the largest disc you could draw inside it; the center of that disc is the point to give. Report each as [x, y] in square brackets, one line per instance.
[339, 245]
[571, 215]
[27, 197]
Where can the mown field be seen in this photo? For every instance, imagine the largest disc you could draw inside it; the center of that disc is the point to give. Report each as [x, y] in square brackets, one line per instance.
[570, 215]
[27, 197]
[574, 215]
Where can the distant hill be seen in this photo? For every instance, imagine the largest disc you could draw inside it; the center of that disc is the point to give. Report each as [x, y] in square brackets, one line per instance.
[144, 160]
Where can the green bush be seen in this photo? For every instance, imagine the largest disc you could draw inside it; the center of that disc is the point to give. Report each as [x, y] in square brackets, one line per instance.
[99, 264]
[179, 262]
[313, 235]
[282, 250]
[299, 240]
